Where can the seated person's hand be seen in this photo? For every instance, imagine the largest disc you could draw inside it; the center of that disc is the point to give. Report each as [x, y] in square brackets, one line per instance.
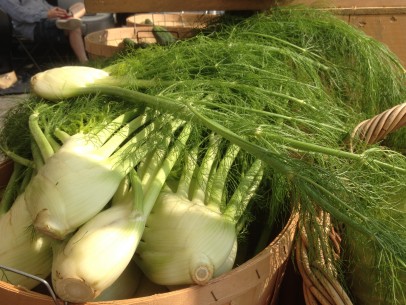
[57, 12]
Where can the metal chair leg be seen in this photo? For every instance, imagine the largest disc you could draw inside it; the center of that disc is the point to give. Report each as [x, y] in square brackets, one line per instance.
[28, 53]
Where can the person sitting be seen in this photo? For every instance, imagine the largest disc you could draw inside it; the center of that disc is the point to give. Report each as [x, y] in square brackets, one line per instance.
[39, 21]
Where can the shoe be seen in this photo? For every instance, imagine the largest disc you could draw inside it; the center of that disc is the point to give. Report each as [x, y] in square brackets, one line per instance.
[69, 24]
[77, 10]
[7, 80]
[19, 87]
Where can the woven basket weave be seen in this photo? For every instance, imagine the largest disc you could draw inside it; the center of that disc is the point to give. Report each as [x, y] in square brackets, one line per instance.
[320, 283]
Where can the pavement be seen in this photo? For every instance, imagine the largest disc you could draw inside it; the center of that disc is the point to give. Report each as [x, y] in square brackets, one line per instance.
[9, 101]
[6, 103]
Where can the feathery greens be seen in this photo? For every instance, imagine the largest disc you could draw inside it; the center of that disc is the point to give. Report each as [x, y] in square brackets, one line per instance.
[288, 104]
[370, 268]
[287, 88]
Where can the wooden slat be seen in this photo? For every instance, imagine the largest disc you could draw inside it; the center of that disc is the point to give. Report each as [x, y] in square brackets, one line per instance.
[346, 3]
[369, 10]
[358, 7]
[141, 6]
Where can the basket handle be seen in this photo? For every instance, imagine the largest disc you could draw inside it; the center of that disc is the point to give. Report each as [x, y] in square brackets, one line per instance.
[41, 280]
[320, 284]
[378, 127]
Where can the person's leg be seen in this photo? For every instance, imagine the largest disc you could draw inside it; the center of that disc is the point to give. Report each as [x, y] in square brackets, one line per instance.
[7, 75]
[77, 44]
[75, 35]
[73, 21]
[68, 24]
[77, 10]
[48, 32]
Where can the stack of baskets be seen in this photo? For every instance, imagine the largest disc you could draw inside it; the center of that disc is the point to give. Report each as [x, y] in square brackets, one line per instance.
[108, 42]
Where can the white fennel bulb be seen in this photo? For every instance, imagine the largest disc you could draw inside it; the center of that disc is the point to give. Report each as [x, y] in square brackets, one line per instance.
[64, 82]
[97, 254]
[21, 248]
[80, 178]
[184, 242]
[74, 185]
[100, 251]
[191, 233]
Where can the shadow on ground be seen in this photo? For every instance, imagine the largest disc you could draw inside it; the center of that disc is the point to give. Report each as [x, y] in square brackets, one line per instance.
[29, 58]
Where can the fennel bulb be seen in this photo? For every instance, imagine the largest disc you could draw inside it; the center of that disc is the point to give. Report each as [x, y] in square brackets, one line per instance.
[21, 248]
[80, 178]
[63, 82]
[184, 242]
[191, 234]
[125, 286]
[73, 186]
[99, 252]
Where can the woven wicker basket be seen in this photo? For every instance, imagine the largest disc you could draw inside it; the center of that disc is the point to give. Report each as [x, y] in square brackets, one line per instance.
[255, 282]
[320, 283]
[107, 42]
[172, 21]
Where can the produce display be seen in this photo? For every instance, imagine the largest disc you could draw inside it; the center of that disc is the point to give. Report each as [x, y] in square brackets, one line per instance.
[165, 155]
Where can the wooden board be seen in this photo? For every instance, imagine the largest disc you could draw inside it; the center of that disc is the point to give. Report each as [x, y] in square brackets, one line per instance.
[345, 3]
[353, 7]
[141, 6]
[387, 28]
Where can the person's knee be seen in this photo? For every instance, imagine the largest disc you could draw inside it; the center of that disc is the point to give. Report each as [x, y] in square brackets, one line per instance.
[77, 10]
[76, 32]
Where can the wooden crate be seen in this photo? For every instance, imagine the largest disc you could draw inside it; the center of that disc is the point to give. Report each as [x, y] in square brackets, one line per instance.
[385, 26]
[384, 20]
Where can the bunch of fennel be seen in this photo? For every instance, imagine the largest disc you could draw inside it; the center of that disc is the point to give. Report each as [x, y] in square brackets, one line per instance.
[54, 161]
[277, 100]
[281, 102]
